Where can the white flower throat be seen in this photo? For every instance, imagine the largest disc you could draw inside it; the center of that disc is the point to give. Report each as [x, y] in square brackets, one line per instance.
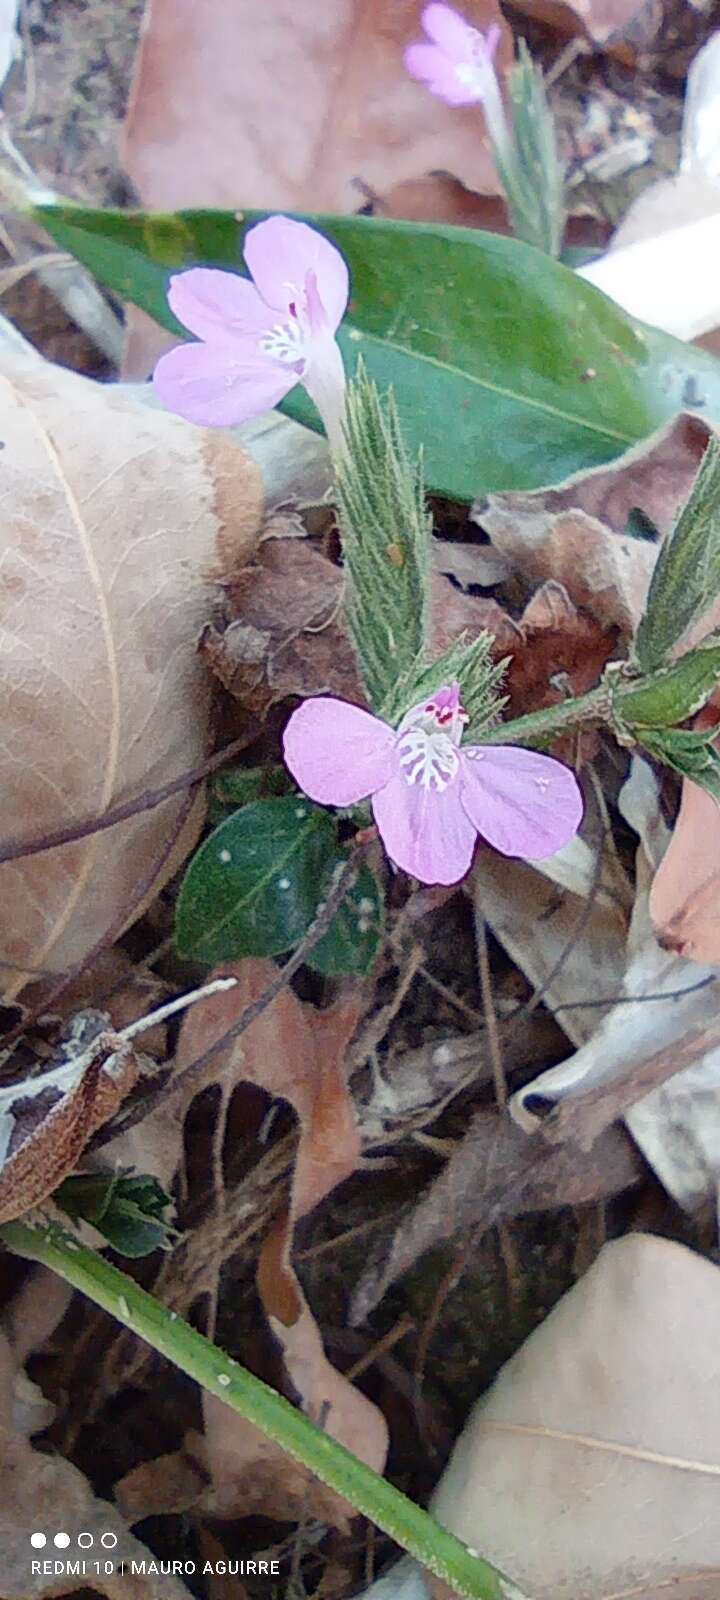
[427, 743]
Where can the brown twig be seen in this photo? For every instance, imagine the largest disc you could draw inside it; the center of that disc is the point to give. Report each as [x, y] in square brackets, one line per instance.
[34, 844]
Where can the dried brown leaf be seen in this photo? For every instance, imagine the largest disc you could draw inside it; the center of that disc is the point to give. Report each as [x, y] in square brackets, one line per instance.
[684, 899]
[266, 105]
[115, 514]
[46, 1122]
[40, 1492]
[576, 534]
[622, 27]
[285, 635]
[601, 1438]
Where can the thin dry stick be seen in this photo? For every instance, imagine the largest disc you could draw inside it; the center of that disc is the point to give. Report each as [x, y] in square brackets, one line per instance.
[405, 1324]
[509, 1254]
[35, 844]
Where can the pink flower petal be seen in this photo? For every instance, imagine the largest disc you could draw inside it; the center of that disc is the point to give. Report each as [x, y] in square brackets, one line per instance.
[337, 752]
[524, 804]
[218, 387]
[450, 31]
[427, 834]
[215, 305]
[280, 252]
[427, 63]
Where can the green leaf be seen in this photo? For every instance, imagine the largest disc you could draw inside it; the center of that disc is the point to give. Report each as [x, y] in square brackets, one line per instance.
[530, 168]
[670, 695]
[128, 1211]
[237, 786]
[253, 887]
[352, 941]
[686, 578]
[691, 753]
[511, 371]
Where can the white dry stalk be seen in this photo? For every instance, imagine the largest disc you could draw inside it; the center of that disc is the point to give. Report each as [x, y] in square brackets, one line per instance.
[68, 1074]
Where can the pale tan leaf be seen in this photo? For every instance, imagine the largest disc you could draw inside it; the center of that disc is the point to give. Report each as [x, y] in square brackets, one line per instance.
[114, 517]
[591, 1470]
[273, 105]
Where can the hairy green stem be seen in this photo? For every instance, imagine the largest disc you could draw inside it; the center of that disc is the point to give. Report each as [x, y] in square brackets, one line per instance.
[541, 727]
[411, 1527]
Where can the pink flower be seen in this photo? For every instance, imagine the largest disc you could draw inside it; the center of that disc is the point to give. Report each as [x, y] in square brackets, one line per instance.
[430, 796]
[458, 63]
[261, 337]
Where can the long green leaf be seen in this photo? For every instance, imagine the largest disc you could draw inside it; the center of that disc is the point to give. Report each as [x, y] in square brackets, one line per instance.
[511, 371]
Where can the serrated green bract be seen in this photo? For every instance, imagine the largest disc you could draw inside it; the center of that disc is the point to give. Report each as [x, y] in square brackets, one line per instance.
[507, 369]
[686, 579]
[468, 663]
[385, 529]
[255, 885]
[672, 694]
[529, 168]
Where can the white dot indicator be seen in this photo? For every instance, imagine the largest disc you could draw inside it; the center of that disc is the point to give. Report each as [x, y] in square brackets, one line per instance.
[108, 1540]
[85, 1541]
[37, 1540]
[62, 1540]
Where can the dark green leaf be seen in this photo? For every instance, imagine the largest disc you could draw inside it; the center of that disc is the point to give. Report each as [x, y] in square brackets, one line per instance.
[686, 579]
[128, 1211]
[511, 371]
[237, 786]
[253, 887]
[352, 941]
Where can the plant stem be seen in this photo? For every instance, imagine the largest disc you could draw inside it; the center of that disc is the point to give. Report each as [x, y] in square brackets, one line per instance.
[541, 727]
[167, 1333]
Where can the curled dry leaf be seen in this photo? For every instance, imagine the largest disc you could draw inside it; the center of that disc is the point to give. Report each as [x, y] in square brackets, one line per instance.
[590, 1469]
[581, 534]
[115, 516]
[46, 1122]
[265, 105]
[285, 635]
